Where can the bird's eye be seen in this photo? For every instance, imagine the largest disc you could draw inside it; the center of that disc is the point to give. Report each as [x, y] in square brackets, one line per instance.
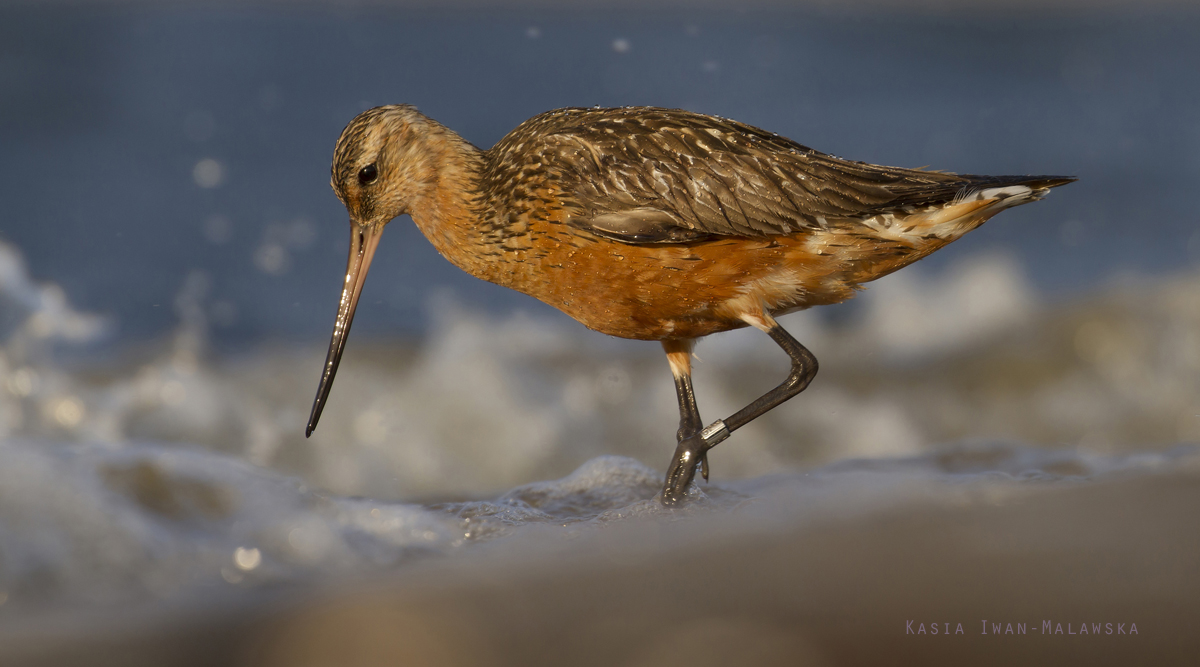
[368, 174]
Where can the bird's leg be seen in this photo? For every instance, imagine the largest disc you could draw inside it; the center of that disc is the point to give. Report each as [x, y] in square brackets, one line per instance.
[695, 447]
[689, 416]
[679, 356]
[804, 369]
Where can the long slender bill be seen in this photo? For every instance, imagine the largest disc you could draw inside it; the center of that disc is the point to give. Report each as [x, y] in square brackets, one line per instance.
[363, 241]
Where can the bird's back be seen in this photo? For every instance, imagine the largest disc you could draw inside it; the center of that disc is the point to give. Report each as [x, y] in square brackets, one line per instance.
[652, 175]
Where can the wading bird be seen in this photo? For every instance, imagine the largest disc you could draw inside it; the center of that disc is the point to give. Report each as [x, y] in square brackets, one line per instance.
[653, 224]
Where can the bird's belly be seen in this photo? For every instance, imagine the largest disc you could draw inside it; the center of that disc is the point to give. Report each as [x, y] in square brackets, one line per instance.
[664, 291]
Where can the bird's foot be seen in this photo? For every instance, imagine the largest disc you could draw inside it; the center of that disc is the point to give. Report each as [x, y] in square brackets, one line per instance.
[690, 453]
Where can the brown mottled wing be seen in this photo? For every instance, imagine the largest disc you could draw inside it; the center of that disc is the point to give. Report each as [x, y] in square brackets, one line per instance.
[649, 175]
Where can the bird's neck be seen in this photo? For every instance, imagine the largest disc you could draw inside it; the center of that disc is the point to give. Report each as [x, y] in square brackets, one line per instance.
[453, 209]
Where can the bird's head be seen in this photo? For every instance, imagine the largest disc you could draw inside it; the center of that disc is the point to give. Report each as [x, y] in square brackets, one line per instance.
[385, 165]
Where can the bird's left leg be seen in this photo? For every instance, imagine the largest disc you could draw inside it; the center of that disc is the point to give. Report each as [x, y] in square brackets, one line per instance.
[679, 356]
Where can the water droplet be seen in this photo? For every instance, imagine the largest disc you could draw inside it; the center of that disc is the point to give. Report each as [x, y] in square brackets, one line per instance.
[69, 411]
[208, 173]
[272, 258]
[23, 382]
[247, 559]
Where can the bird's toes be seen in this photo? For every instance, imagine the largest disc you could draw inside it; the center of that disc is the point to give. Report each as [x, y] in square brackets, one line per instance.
[690, 453]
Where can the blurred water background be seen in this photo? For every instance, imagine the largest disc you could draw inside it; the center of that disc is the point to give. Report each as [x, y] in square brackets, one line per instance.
[171, 255]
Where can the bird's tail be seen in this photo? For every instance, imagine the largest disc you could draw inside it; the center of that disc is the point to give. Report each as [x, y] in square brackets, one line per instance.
[1009, 190]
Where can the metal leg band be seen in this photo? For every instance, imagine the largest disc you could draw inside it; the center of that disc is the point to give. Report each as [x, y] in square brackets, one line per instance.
[714, 433]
